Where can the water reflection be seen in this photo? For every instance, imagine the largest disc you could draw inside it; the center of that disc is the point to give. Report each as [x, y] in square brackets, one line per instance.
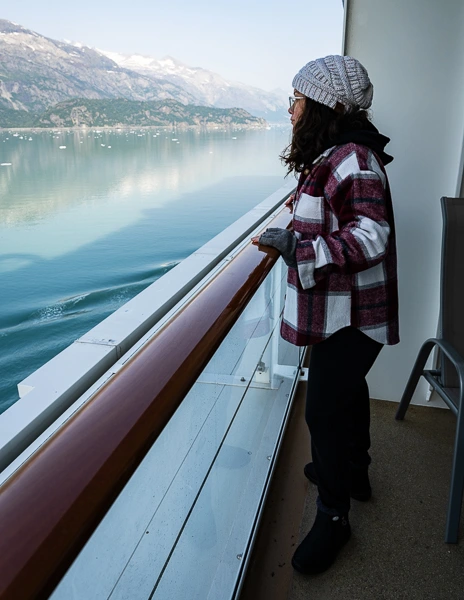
[102, 181]
[97, 169]
[85, 228]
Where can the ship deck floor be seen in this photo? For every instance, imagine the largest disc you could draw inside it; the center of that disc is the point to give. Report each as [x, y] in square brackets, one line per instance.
[397, 550]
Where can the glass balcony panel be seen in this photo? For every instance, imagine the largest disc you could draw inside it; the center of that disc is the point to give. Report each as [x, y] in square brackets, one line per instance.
[236, 356]
[207, 560]
[187, 513]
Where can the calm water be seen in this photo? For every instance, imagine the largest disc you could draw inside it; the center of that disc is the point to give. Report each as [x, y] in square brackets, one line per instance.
[85, 228]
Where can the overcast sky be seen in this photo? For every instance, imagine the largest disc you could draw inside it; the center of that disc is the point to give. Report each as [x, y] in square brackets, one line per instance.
[262, 42]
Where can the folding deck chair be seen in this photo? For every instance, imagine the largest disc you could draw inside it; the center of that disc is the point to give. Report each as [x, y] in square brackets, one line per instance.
[448, 379]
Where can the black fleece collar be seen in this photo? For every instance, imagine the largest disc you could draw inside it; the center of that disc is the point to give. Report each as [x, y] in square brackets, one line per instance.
[369, 137]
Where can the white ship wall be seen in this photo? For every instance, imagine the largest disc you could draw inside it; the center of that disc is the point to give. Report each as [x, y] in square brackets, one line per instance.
[414, 53]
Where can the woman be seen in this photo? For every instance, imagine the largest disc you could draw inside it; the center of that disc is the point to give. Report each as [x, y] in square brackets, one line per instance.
[342, 283]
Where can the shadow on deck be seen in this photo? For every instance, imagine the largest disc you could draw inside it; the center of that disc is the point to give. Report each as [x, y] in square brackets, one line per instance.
[397, 550]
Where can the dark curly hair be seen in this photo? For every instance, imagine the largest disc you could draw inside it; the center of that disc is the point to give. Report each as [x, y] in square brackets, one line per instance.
[317, 129]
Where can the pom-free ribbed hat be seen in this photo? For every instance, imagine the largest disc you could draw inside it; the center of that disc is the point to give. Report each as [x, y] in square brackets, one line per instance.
[335, 79]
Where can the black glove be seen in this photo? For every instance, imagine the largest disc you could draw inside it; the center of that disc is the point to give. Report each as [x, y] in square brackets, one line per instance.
[284, 241]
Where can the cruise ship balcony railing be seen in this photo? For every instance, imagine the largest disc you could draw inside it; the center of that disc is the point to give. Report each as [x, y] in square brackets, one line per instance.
[151, 484]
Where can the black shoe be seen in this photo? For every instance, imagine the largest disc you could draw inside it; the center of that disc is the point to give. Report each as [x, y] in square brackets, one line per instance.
[360, 486]
[318, 550]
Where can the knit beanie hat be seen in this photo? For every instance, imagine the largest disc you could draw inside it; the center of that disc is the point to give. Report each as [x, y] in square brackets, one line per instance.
[335, 79]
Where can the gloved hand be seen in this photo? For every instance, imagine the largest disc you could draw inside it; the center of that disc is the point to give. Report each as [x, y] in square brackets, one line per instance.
[284, 241]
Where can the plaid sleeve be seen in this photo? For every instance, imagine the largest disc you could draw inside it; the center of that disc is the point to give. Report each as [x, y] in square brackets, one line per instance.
[361, 240]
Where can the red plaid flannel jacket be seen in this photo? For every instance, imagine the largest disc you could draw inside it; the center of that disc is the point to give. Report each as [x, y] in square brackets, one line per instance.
[346, 251]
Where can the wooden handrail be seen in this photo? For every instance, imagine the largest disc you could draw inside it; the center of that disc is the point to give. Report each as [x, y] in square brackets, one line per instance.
[50, 507]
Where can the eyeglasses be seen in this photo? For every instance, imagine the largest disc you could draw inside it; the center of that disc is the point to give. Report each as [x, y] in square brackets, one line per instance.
[293, 99]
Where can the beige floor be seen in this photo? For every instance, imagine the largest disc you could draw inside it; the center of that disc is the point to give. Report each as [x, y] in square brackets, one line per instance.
[397, 550]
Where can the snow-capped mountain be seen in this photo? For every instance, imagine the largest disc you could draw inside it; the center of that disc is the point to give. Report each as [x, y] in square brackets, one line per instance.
[207, 87]
[37, 72]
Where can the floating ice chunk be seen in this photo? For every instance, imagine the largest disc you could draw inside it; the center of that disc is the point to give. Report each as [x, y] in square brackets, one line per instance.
[234, 138]
[109, 146]
[62, 147]
[102, 145]
[5, 164]
[174, 140]
[30, 139]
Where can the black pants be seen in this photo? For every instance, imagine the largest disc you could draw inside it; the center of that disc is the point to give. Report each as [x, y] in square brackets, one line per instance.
[337, 412]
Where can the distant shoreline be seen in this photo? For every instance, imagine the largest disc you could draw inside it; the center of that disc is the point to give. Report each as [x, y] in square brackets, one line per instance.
[208, 127]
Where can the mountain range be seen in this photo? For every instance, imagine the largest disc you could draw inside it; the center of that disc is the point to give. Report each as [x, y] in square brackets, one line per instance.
[206, 87]
[37, 72]
[116, 112]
